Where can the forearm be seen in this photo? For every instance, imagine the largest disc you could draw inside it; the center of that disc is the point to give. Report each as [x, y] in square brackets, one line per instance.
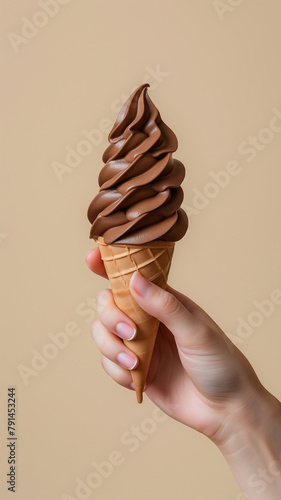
[253, 450]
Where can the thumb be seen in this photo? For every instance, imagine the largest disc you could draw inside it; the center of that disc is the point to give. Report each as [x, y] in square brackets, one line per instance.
[189, 331]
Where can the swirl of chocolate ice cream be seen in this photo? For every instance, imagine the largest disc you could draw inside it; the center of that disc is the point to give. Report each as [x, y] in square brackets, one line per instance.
[140, 195]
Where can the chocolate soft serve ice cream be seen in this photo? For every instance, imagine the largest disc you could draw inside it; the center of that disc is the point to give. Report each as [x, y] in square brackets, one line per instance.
[136, 216]
[140, 195]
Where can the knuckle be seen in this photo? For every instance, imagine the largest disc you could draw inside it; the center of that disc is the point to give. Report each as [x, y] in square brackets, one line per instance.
[207, 333]
[170, 304]
[94, 327]
[105, 346]
[204, 330]
[102, 300]
[204, 335]
[103, 362]
[107, 365]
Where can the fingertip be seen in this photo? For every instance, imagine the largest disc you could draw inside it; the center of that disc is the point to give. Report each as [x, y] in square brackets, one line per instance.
[95, 263]
[140, 285]
[88, 257]
[125, 330]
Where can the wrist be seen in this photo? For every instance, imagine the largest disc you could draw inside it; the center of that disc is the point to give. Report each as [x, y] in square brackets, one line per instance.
[258, 414]
[251, 444]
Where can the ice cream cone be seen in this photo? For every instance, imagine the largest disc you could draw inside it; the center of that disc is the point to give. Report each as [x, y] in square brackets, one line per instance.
[153, 261]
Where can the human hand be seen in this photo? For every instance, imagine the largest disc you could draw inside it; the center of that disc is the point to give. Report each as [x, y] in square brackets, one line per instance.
[197, 376]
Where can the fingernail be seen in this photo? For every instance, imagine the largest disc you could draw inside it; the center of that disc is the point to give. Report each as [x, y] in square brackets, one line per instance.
[126, 360]
[125, 331]
[141, 285]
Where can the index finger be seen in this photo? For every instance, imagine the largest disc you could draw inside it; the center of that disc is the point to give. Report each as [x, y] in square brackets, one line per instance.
[95, 263]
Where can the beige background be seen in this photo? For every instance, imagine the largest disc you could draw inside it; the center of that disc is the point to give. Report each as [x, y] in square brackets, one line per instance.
[215, 75]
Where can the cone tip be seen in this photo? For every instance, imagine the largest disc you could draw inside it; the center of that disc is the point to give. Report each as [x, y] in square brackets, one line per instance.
[139, 395]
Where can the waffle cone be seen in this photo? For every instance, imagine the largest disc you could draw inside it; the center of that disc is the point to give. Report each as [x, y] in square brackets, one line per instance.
[153, 261]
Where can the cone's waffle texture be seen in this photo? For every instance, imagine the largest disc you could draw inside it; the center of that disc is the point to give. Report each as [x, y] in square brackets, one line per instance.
[153, 261]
